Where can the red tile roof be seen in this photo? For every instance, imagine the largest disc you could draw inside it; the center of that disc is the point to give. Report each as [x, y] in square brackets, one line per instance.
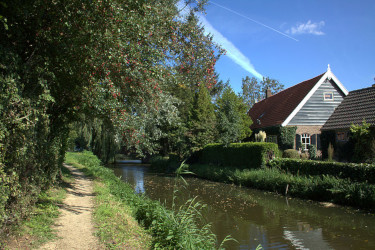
[275, 109]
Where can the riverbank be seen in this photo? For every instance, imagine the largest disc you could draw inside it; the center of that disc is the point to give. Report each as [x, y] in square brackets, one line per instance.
[324, 187]
[160, 228]
[36, 228]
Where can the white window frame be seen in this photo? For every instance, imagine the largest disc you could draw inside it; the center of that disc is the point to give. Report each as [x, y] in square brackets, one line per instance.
[271, 138]
[328, 99]
[305, 140]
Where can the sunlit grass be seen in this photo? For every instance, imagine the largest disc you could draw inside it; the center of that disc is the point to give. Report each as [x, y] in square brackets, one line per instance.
[37, 228]
[117, 202]
[116, 228]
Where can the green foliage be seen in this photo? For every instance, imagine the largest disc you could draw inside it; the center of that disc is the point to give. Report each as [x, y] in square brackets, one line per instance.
[320, 188]
[202, 121]
[354, 172]
[169, 230]
[164, 164]
[108, 64]
[364, 141]
[233, 121]
[291, 153]
[254, 91]
[245, 155]
[312, 151]
[287, 136]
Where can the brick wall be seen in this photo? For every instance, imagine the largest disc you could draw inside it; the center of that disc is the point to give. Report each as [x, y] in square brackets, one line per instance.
[312, 130]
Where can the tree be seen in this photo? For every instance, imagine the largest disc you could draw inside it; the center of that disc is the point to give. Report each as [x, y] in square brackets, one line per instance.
[111, 62]
[202, 125]
[254, 91]
[233, 121]
[364, 142]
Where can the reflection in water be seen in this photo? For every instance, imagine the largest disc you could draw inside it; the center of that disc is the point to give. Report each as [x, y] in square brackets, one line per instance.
[255, 217]
[135, 175]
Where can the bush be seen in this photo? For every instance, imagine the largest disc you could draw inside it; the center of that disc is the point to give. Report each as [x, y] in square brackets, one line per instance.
[304, 155]
[246, 155]
[291, 153]
[312, 152]
[320, 188]
[165, 164]
[354, 172]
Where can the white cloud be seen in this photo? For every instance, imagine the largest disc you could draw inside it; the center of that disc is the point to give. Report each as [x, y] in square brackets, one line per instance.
[307, 28]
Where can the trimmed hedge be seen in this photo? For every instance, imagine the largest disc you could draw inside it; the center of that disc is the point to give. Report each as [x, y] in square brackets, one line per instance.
[320, 188]
[245, 155]
[291, 154]
[354, 172]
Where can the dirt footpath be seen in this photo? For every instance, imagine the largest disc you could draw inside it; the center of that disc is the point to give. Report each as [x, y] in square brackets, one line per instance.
[74, 226]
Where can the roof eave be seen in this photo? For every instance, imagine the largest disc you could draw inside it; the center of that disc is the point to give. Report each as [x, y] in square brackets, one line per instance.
[328, 75]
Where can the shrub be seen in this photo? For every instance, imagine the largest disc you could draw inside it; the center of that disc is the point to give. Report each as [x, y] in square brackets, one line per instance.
[304, 155]
[312, 151]
[261, 136]
[248, 155]
[364, 140]
[320, 188]
[354, 172]
[291, 153]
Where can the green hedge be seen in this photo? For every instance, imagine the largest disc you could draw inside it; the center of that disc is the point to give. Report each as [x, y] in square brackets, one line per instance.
[244, 155]
[319, 188]
[354, 172]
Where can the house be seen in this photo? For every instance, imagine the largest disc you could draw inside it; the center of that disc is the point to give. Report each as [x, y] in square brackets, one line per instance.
[358, 106]
[293, 117]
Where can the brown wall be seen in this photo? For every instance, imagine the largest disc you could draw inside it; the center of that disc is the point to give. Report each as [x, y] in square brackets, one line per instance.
[308, 130]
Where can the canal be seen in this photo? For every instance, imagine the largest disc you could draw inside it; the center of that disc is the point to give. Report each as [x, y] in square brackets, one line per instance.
[254, 217]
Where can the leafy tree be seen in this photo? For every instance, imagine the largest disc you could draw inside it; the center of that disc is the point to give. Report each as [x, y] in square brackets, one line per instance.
[233, 121]
[364, 142]
[202, 125]
[109, 64]
[254, 91]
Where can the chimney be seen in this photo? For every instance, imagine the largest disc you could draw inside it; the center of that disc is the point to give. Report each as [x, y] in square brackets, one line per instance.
[268, 93]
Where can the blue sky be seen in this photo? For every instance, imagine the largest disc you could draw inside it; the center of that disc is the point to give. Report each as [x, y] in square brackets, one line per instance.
[294, 40]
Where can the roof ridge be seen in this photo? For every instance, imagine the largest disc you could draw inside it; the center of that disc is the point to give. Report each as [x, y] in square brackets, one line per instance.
[292, 87]
[358, 90]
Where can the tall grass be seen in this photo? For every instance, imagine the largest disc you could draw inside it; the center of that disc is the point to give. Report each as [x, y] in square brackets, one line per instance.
[169, 229]
[37, 226]
[319, 188]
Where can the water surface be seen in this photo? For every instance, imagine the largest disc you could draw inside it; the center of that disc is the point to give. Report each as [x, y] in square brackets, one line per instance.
[254, 217]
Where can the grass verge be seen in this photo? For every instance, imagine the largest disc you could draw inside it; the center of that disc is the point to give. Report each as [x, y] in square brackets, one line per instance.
[323, 187]
[36, 228]
[116, 228]
[320, 188]
[117, 203]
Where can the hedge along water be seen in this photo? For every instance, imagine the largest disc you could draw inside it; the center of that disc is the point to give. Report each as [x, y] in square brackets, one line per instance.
[253, 217]
[250, 155]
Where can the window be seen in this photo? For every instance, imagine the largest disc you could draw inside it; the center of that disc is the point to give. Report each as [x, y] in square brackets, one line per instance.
[342, 136]
[328, 96]
[271, 138]
[305, 140]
